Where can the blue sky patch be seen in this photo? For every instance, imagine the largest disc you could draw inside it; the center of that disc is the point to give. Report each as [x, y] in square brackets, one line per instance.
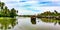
[31, 6]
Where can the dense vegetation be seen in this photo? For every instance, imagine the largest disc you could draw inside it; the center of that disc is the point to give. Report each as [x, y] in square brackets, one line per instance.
[48, 13]
[5, 12]
[7, 17]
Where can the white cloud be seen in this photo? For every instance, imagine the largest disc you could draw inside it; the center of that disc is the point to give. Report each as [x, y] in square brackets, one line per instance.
[33, 5]
[26, 12]
[41, 9]
[51, 0]
[48, 8]
[9, 0]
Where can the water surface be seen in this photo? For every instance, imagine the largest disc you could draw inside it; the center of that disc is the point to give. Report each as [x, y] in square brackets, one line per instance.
[24, 23]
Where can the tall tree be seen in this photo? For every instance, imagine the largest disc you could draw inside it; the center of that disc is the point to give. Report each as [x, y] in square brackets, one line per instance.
[2, 5]
[5, 12]
[13, 12]
[55, 11]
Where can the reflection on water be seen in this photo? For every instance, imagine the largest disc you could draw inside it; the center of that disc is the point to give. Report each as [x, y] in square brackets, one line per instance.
[7, 23]
[33, 20]
[47, 20]
[25, 23]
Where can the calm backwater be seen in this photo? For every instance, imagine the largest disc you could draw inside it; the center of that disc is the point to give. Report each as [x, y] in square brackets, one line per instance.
[24, 23]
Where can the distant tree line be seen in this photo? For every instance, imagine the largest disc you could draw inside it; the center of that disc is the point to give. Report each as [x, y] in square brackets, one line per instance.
[5, 12]
[25, 15]
[48, 13]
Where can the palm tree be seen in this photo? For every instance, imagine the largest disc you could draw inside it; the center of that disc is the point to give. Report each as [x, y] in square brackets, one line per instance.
[2, 5]
[6, 11]
[55, 11]
[13, 12]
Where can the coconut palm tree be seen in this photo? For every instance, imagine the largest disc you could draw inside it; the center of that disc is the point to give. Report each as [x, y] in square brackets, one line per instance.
[13, 12]
[55, 11]
[2, 5]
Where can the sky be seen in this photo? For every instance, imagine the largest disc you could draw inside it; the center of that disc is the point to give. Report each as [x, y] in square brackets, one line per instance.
[32, 7]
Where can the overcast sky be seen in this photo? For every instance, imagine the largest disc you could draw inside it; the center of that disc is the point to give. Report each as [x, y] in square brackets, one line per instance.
[30, 7]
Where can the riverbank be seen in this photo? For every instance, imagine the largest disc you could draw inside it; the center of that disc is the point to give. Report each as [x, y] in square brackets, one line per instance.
[50, 17]
[6, 18]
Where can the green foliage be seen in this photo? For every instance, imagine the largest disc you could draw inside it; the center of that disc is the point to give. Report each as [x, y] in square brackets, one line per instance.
[48, 13]
[5, 12]
[13, 12]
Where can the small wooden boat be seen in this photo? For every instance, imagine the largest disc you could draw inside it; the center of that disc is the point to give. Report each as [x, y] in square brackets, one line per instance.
[33, 19]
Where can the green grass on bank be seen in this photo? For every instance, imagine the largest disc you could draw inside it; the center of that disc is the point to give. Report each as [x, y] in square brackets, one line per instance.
[6, 18]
